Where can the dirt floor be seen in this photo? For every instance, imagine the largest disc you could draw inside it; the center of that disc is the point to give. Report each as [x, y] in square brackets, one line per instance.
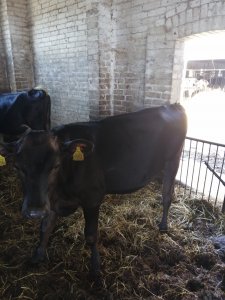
[137, 261]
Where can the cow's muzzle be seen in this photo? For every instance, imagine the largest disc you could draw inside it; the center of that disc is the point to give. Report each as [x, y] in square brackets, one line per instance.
[35, 212]
[32, 210]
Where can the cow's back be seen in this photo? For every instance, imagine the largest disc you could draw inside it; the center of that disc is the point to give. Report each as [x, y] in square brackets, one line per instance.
[11, 107]
[30, 108]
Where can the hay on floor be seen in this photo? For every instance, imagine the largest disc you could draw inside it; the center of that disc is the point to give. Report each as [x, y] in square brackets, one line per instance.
[137, 261]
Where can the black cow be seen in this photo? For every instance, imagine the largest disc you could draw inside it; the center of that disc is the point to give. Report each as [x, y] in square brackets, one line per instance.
[77, 164]
[30, 108]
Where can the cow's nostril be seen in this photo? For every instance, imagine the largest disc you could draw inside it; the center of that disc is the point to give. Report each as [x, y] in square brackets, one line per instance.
[35, 214]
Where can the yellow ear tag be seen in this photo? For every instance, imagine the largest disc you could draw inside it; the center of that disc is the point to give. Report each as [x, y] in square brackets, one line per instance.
[78, 154]
[2, 161]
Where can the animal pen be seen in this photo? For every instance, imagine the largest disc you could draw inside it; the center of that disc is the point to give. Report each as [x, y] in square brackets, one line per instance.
[202, 170]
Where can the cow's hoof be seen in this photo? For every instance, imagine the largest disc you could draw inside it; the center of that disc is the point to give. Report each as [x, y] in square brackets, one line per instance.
[163, 228]
[96, 279]
[38, 256]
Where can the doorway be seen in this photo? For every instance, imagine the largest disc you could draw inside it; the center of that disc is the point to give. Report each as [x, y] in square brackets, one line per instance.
[203, 86]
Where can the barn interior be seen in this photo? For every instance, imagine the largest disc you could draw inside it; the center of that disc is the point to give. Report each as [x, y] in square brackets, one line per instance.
[102, 58]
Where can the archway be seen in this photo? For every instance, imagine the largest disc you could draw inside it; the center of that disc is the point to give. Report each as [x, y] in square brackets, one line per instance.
[199, 83]
[202, 90]
[202, 93]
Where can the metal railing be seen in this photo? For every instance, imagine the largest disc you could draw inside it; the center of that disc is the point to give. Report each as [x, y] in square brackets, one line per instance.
[202, 170]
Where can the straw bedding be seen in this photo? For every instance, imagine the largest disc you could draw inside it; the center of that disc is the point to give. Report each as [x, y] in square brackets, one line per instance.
[138, 262]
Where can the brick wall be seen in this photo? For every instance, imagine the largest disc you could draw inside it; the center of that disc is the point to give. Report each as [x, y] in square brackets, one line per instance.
[104, 57]
[59, 42]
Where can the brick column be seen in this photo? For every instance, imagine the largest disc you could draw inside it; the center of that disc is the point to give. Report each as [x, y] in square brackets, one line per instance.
[16, 41]
[93, 59]
[101, 58]
[159, 67]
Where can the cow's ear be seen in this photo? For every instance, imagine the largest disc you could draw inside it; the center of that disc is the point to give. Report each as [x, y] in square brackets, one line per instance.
[7, 150]
[79, 149]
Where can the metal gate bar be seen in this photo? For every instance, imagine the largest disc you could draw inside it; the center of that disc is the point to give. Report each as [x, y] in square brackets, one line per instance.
[202, 169]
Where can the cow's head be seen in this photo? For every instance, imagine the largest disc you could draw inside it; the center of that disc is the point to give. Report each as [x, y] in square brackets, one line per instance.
[38, 156]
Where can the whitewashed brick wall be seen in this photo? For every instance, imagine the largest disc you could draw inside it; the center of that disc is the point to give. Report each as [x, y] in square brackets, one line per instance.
[99, 58]
[59, 43]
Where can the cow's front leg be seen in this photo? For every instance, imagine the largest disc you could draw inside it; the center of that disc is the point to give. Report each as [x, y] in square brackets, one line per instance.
[91, 232]
[47, 226]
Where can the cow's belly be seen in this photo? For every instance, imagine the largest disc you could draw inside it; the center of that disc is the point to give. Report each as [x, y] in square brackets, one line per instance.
[125, 180]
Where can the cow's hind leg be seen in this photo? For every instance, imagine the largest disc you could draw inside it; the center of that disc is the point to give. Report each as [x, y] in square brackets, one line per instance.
[47, 226]
[170, 172]
[91, 232]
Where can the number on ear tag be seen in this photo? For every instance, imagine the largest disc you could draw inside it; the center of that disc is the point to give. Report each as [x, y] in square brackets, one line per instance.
[78, 155]
[2, 161]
